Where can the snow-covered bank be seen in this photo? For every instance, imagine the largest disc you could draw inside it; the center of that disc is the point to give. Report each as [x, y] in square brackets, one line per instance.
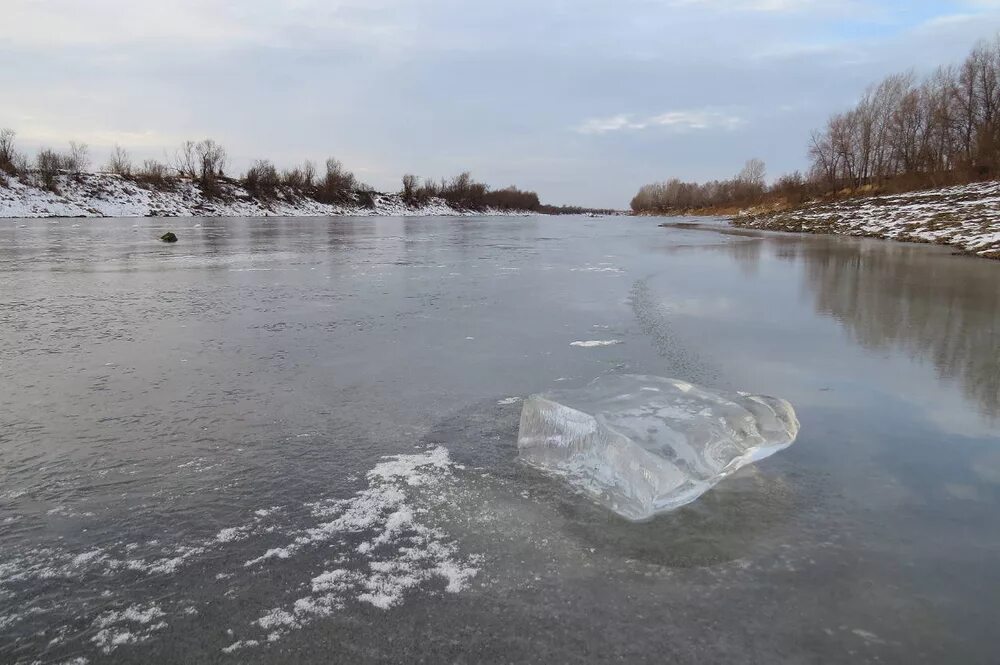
[109, 195]
[966, 217]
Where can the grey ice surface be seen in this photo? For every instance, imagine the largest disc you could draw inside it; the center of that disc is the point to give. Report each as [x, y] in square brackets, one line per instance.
[642, 445]
[169, 413]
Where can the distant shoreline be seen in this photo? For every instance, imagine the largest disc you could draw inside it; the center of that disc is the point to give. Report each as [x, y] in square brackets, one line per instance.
[101, 195]
[965, 217]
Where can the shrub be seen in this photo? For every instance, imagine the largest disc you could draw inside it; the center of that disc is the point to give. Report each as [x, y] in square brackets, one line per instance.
[48, 164]
[792, 187]
[337, 186]
[262, 180]
[299, 179]
[153, 173]
[512, 198]
[366, 196]
[427, 191]
[464, 192]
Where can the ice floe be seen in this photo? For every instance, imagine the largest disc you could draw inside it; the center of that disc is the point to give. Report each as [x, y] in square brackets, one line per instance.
[641, 445]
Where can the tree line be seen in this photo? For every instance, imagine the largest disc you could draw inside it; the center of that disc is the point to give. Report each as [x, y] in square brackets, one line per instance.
[748, 185]
[906, 132]
[204, 162]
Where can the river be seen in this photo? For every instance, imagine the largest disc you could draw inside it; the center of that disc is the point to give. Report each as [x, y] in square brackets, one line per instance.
[294, 440]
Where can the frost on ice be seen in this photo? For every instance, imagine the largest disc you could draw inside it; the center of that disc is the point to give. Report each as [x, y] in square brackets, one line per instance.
[642, 445]
[399, 551]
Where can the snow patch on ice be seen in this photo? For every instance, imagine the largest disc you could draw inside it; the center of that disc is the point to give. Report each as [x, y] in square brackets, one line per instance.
[132, 625]
[232, 534]
[398, 551]
[589, 344]
[600, 267]
[87, 557]
[240, 644]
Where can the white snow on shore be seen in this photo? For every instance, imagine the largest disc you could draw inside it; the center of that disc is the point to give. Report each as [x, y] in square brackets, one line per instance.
[110, 195]
[965, 216]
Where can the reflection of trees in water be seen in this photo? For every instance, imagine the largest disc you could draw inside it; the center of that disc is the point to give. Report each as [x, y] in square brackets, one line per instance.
[747, 254]
[940, 308]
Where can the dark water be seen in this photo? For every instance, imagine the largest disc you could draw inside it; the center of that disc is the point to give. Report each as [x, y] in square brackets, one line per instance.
[170, 413]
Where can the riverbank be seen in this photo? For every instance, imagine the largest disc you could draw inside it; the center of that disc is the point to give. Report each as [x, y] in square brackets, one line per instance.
[966, 217]
[110, 195]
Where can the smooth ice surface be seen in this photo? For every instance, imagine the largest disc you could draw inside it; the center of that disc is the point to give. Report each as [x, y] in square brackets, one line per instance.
[641, 445]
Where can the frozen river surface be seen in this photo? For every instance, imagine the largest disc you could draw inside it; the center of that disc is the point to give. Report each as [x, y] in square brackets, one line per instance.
[294, 441]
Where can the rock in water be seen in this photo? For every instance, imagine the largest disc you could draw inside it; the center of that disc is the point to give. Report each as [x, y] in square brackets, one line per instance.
[642, 445]
[168, 237]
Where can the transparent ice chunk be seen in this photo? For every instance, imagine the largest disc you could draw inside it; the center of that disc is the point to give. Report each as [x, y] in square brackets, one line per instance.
[641, 445]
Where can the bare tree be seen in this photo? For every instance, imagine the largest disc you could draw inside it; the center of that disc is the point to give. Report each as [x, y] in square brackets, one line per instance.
[753, 173]
[8, 156]
[903, 133]
[914, 132]
[186, 160]
[308, 174]
[750, 182]
[21, 163]
[211, 159]
[410, 185]
[120, 162]
[209, 164]
[823, 157]
[78, 159]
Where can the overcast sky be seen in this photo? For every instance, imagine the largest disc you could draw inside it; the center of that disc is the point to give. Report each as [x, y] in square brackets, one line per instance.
[580, 100]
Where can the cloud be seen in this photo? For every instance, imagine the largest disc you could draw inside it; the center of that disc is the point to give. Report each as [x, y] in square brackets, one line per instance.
[688, 120]
[677, 121]
[204, 24]
[612, 124]
[436, 87]
[770, 6]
